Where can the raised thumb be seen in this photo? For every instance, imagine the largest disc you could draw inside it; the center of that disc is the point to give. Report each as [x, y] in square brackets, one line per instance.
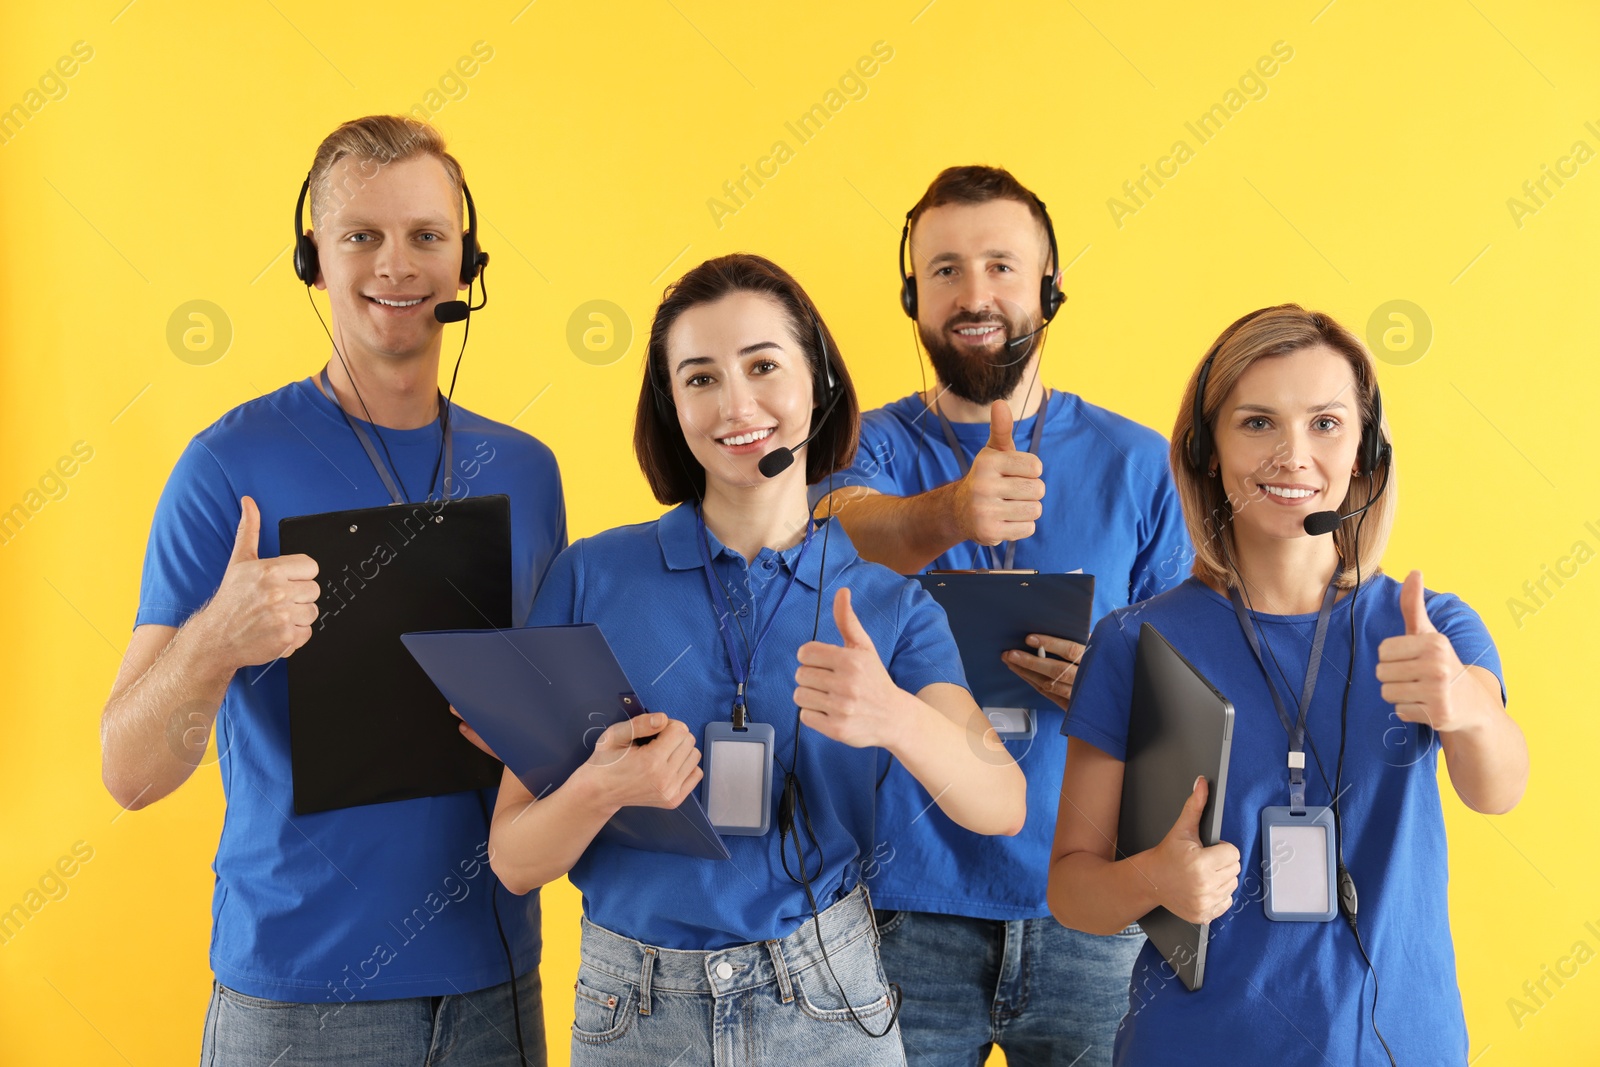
[1188, 824]
[1001, 437]
[850, 628]
[1412, 606]
[247, 540]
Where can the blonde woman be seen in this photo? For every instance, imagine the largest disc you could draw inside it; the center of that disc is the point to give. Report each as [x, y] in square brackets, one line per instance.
[1280, 434]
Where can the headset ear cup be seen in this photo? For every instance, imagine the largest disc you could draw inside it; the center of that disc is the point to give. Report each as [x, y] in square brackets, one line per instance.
[1050, 297]
[305, 259]
[469, 257]
[908, 281]
[1374, 451]
[305, 249]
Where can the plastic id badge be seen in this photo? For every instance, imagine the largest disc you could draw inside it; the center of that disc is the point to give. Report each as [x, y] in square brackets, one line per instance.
[1297, 865]
[737, 790]
[1012, 724]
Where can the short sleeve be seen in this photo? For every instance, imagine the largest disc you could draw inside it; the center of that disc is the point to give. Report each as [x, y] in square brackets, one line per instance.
[1470, 638]
[559, 524]
[1164, 558]
[191, 540]
[561, 591]
[1102, 695]
[869, 469]
[924, 650]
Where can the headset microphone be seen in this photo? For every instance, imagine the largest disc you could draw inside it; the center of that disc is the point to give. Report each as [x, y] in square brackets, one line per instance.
[778, 460]
[1027, 336]
[1325, 522]
[448, 311]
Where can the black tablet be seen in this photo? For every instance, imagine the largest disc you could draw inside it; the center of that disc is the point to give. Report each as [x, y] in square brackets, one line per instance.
[1180, 727]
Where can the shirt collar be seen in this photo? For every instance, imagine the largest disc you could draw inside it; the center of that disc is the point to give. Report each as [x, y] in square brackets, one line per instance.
[677, 529]
[1049, 409]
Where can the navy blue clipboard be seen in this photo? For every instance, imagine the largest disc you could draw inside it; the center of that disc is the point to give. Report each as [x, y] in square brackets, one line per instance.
[994, 613]
[540, 696]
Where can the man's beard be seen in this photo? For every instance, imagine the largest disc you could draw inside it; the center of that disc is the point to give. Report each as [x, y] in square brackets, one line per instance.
[979, 376]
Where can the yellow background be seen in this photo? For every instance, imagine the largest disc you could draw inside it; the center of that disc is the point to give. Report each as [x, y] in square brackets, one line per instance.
[1377, 167]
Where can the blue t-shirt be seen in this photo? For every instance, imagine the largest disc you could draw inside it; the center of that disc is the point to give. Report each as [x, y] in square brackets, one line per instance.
[365, 903]
[1110, 510]
[645, 587]
[1299, 992]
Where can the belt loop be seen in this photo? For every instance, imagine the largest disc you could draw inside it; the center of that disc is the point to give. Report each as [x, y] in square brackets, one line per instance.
[872, 915]
[780, 966]
[644, 980]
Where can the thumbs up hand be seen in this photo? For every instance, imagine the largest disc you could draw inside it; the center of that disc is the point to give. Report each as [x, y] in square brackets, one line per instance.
[1002, 428]
[844, 691]
[1419, 669]
[998, 500]
[264, 608]
[247, 538]
[1194, 882]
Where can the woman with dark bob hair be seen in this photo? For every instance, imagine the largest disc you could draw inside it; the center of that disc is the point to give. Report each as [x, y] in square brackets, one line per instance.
[1335, 945]
[715, 611]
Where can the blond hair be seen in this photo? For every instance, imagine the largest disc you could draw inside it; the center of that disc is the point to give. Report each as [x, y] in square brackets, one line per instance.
[374, 141]
[1207, 511]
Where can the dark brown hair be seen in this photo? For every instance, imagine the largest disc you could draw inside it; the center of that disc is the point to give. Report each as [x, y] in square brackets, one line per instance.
[976, 184]
[664, 456]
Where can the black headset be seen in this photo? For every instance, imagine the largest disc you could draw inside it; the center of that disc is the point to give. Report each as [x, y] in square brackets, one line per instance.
[1050, 295]
[305, 249]
[1372, 453]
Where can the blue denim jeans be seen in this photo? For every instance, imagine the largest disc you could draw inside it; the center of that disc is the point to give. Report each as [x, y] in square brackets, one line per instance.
[769, 1004]
[1043, 993]
[475, 1029]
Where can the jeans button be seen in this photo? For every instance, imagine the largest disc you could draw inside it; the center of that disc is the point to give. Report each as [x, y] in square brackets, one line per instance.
[724, 970]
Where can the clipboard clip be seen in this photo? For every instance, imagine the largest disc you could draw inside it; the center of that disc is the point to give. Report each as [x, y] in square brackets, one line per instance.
[987, 570]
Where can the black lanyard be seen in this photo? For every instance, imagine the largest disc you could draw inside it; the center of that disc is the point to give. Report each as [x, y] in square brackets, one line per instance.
[966, 465]
[719, 598]
[1296, 730]
[372, 453]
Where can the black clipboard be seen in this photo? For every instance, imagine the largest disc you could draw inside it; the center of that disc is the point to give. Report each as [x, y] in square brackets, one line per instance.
[366, 725]
[994, 612]
[1179, 727]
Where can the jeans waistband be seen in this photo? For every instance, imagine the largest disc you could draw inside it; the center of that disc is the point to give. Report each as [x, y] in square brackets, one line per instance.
[734, 969]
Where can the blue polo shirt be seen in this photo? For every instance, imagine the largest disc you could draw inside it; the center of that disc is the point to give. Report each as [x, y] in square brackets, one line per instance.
[1110, 510]
[645, 587]
[1299, 992]
[365, 903]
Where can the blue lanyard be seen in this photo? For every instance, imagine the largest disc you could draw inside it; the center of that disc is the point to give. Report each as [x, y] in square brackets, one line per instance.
[719, 601]
[1296, 730]
[372, 453]
[966, 465]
